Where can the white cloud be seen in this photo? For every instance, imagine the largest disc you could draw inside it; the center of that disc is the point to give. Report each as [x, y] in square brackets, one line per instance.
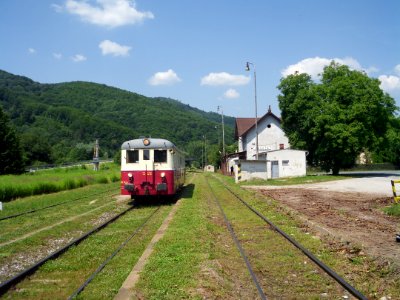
[397, 69]
[57, 55]
[390, 83]
[164, 78]
[109, 13]
[112, 48]
[223, 78]
[32, 51]
[57, 8]
[231, 94]
[79, 58]
[315, 66]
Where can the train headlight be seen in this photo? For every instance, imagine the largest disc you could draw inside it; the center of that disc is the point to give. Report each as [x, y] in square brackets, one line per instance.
[146, 142]
[162, 174]
[130, 176]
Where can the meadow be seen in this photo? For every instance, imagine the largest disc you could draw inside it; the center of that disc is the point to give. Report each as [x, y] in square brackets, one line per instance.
[55, 180]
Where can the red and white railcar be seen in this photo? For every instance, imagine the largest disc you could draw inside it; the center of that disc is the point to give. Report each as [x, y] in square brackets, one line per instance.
[151, 167]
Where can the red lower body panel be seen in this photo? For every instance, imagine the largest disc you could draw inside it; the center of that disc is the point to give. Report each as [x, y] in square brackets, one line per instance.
[148, 183]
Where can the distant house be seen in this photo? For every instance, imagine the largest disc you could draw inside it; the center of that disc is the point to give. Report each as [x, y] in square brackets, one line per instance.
[275, 158]
[270, 135]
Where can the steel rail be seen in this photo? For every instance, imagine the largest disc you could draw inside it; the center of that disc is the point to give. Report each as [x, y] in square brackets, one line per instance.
[323, 266]
[101, 267]
[6, 285]
[53, 205]
[238, 245]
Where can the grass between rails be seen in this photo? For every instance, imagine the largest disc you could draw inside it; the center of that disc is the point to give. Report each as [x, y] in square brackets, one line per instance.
[37, 235]
[367, 275]
[55, 180]
[282, 270]
[196, 258]
[172, 269]
[59, 278]
[74, 204]
[36, 202]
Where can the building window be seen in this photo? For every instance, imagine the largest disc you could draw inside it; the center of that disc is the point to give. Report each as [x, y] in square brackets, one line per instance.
[281, 146]
[132, 156]
[285, 163]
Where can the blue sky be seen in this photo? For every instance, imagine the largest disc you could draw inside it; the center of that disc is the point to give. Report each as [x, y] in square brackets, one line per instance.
[196, 51]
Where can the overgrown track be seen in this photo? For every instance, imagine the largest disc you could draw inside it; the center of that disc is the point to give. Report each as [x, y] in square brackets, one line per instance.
[238, 245]
[312, 257]
[6, 285]
[101, 267]
[50, 206]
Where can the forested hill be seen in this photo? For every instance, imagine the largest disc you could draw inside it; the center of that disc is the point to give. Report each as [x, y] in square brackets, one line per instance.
[60, 122]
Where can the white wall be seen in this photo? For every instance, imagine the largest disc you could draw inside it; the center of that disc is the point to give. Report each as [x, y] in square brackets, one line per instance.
[268, 138]
[250, 169]
[291, 162]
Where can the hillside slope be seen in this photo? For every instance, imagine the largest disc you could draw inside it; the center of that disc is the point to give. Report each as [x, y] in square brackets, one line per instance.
[64, 119]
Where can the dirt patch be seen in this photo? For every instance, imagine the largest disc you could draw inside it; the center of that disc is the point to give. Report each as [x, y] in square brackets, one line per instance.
[354, 218]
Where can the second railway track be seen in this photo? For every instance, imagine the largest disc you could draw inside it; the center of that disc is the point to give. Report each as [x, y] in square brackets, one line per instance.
[248, 241]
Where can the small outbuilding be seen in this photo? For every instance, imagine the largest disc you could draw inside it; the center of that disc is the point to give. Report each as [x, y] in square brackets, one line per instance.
[209, 168]
[286, 163]
[272, 164]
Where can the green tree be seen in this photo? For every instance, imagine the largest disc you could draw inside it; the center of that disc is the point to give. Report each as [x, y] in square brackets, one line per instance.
[337, 118]
[389, 150]
[36, 147]
[11, 158]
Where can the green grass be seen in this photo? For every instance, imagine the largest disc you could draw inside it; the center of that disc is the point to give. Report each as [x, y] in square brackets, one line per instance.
[59, 278]
[55, 180]
[393, 210]
[196, 259]
[295, 180]
[361, 271]
[171, 270]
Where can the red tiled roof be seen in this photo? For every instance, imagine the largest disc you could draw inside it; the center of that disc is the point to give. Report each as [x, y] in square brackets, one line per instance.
[244, 124]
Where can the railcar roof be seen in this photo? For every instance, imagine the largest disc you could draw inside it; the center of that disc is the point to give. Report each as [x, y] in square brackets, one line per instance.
[154, 144]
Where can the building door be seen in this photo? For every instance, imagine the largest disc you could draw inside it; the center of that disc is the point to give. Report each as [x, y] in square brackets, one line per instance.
[274, 169]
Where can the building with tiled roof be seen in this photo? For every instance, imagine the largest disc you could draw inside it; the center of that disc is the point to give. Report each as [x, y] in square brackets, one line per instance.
[270, 135]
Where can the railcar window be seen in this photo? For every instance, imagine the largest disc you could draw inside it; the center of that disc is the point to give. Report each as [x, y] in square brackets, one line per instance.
[132, 156]
[160, 156]
[146, 154]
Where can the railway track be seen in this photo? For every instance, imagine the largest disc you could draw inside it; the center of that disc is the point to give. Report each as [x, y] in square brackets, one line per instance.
[15, 231]
[31, 211]
[256, 281]
[5, 286]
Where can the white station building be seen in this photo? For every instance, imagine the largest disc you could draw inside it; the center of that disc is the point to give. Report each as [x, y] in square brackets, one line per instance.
[275, 158]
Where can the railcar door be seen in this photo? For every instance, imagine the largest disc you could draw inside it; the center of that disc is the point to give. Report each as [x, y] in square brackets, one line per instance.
[149, 168]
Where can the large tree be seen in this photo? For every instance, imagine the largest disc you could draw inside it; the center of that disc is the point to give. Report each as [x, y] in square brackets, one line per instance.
[11, 158]
[337, 118]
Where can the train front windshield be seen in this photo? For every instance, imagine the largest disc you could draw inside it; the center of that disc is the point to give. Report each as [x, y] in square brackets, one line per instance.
[159, 156]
